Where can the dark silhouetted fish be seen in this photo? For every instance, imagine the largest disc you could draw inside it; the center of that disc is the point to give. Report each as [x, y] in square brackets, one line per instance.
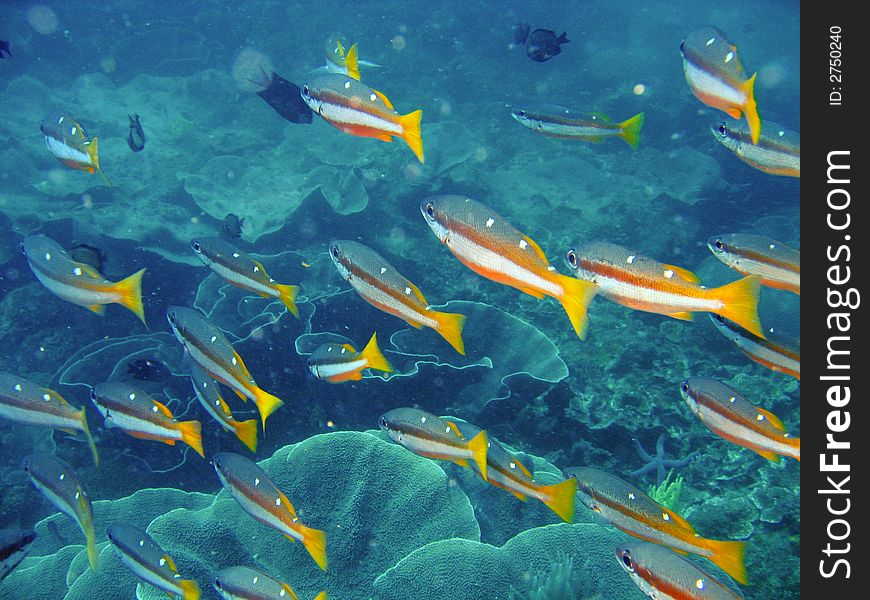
[4, 48]
[521, 33]
[233, 225]
[14, 545]
[90, 255]
[284, 96]
[136, 137]
[542, 44]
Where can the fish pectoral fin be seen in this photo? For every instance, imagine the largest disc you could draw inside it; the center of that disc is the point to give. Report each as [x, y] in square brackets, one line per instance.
[461, 462]
[290, 537]
[522, 497]
[523, 468]
[771, 456]
[413, 324]
[170, 563]
[531, 292]
[97, 308]
[684, 274]
[734, 113]
[417, 293]
[384, 99]
[683, 316]
[164, 409]
[536, 248]
[775, 421]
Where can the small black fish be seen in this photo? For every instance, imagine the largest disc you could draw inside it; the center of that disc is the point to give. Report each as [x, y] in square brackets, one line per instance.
[14, 545]
[521, 33]
[542, 44]
[4, 48]
[285, 97]
[136, 137]
[233, 226]
[90, 255]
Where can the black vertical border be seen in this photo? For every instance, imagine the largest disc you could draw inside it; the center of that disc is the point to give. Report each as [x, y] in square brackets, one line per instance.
[831, 126]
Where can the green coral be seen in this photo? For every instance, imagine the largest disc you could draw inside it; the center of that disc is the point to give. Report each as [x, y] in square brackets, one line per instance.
[669, 492]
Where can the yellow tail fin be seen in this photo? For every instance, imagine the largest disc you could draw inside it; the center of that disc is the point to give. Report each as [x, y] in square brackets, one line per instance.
[479, 445]
[91, 444]
[190, 589]
[191, 434]
[374, 359]
[741, 303]
[130, 290]
[314, 541]
[246, 431]
[631, 130]
[287, 295]
[728, 556]
[575, 300]
[750, 109]
[351, 62]
[266, 404]
[560, 498]
[450, 327]
[410, 124]
[93, 154]
[321, 596]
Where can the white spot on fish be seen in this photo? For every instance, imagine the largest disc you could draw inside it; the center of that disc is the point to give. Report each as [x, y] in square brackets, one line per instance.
[141, 543]
[524, 244]
[154, 408]
[551, 268]
[330, 349]
[162, 562]
[666, 516]
[383, 270]
[176, 576]
[407, 290]
[669, 274]
[47, 256]
[277, 501]
[77, 271]
[711, 40]
[256, 482]
[630, 259]
[236, 254]
[780, 133]
[700, 584]
[759, 417]
[72, 131]
[422, 419]
[513, 465]
[46, 397]
[132, 396]
[256, 269]
[347, 85]
[213, 338]
[17, 387]
[256, 579]
[62, 476]
[282, 593]
[732, 399]
[772, 246]
[788, 435]
[373, 97]
[729, 57]
[447, 430]
[343, 350]
[60, 120]
[490, 222]
[234, 361]
[78, 495]
[631, 496]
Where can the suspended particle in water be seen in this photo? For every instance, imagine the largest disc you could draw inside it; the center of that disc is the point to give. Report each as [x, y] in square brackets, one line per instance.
[42, 19]
[398, 42]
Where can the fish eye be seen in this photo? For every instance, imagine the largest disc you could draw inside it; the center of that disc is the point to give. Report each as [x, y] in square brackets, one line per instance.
[571, 258]
[171, 317]
[383, 423]
[21, 248]
[723, 130]
[306, 93]
[94, 394]
[196, 247]
[522, 114]
[334, 252]
[430, 210]
[684, 387]
[718, 245]
[218, 585]
[626, 560]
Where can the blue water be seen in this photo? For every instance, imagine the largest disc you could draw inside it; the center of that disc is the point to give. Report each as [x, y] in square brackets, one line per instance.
[214, 147]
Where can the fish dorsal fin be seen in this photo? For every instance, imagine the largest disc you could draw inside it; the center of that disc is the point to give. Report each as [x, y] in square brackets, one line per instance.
[536, 248]
[771, 418]
[290, 591]
[455, 429]
[164, 409]
[349, 348]
[683, 274]
[384, 99]
[416, 291]
[169, 563]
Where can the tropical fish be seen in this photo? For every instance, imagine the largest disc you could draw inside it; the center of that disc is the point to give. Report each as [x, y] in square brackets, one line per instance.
[90, 255]
[58, 482]
[141, 416]
[284, 96]
[141, 554]
[543, 44]
[339, 60]
[136, 135]
[260, 497]
[382, 286]
[14, 546]
[716, 77]
[208, 393]
[29, 404]
[337, 363]
[778, 265]
[567, 123]
[643, 283]
[521, 33]
[77, 282]
[506, 471]
[777, 151]
[777, 351]
[207, 346]
[242, 271]
[232, 225]
[359, 110]
[245, 583]
[431, 436]
[490, 246]
[661, 574]
[68, 143]
[629, 509]
[731, 416]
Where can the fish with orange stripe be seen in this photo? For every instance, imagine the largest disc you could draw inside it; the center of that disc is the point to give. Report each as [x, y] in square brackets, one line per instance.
[643, 283]
[207, 346]
[716, 76]
[627, 508]
[258, 496]
[382, 286]
[359, 110]
[67, 141]
[338, 363]
[777, 152]
[141, 416]
[728, 414]
[491, 247]
[778, 265]
[778, 352]
[208, 393]
[662, 575]
[506, 472]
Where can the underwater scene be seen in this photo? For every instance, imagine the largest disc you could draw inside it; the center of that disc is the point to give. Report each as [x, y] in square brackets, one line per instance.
[400, 300]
